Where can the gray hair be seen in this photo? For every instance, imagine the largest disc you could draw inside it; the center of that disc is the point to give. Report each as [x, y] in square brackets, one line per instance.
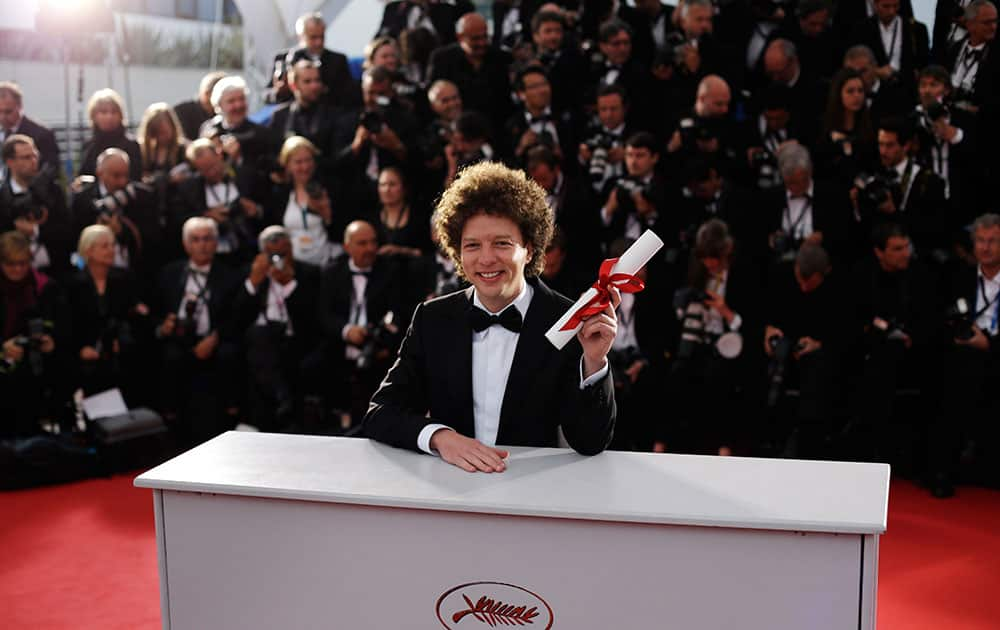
[272, 233]
[308, 18]
[860, 50]
[198, 223]
[787, 47]
[812, 259]
[713, 240]
[89, 237]
[972, 11]
[113, 152]
[793, 157]
[227, 84]
[436, 87]
[705, 4]
[986, 221]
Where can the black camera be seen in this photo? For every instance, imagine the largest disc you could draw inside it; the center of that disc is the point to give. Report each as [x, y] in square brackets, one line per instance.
[890, 329]
[936, 111]
[185, 330]
[432, 143]
[673, 50]
[875, 190]
[374, 119]
[599, 144]
[115, 330]
[32, 344]
[114, 203]
[785, 246]
[782, 348]
[698, 128]
[629, 186]
[382, 335]
[690, 309]
[959, 318]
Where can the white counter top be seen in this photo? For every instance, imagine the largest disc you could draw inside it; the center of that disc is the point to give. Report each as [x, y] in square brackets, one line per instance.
[736, 492]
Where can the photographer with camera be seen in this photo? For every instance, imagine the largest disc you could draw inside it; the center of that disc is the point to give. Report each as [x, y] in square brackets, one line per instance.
[706, 195]
[383, 137]
[613, 64]
[903, 192]
[900, 44]
[217, 193]
[127, 207]
[947, 141]
[435, 135]
[636, 202]
[602, 154]
[358, 295]
[893, 331]
[536, 124]
[109, 321]
[303, 206]
[971, 61]
[563, 63]
[709, 364]
[340, 88]
[706, 130]
[198, 387]
[30, 305]
[469, 144]
[274, 314]
[763, 134]
[965, 431]
[803, 210]
[804, 314]
[32, 203]
[818, 46]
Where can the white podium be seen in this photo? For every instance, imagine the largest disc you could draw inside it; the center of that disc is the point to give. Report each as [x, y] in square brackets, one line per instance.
[286, 531]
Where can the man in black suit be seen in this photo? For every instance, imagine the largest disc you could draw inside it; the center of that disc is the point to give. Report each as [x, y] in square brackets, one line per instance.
[566, 67]
[617, 66]
[971, 367]
[536, 122]
[127, 207]
[806, 93]
[341, 88]
[194, 112]
[194, 297]
[274, 315]
[849, 13]
[35, 206]
[13, 121]
[900, 44]
[810, 29]
[636, 202]
[437, 17]
[475, 369]
[651, 22]
[361, 312]
[478, 69]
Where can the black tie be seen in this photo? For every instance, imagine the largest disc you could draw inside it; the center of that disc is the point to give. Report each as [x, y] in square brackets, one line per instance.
[480, 320]
[361, 273]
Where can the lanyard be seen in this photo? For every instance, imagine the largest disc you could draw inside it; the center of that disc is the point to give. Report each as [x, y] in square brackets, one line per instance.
[967, 65]
[303, 209]
[200, 297]
[892, 44]
[793, 227]
[989, 303]
[279, 302]
[210, 190]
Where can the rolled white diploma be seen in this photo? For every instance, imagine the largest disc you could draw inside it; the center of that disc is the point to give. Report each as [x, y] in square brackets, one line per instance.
[630, 263]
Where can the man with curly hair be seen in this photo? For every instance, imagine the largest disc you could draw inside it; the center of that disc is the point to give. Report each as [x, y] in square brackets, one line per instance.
[475, 369]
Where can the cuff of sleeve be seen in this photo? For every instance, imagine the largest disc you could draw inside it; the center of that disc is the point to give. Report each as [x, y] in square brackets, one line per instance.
[958, 137]
[593, 378]
[252, 290]
[605, 219]
[424, 439]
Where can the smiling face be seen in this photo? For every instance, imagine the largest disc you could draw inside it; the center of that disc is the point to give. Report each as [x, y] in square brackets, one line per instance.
[494, 255]
[233, 106]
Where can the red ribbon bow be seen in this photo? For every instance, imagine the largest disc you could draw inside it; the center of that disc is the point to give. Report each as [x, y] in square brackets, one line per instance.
[624, 282]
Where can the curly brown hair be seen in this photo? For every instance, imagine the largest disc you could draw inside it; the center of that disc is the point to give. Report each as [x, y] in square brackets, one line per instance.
[492, 188]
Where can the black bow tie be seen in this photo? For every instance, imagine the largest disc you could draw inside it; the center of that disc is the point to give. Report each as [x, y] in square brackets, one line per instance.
[806, 198]
[480, 320]
[535, 120]
[366, 274]
[973, 55]
[198, 272]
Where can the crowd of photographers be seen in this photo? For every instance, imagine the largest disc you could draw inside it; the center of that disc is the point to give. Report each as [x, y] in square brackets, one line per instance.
[819, 172]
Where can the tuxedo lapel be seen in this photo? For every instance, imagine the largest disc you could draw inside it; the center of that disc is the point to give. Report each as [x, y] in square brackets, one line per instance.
[528, 358]
[461, 358]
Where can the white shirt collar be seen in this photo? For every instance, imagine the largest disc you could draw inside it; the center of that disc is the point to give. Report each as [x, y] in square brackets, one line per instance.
[101, 188]
[809, 191]
[353, 267]
[994, 280]
[15, 188]
[521, 302]
[969, 46]
[901, 167]
[618, 131]
[205, 269]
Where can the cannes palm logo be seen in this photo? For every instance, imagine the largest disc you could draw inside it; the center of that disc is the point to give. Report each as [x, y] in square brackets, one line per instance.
[492, 604]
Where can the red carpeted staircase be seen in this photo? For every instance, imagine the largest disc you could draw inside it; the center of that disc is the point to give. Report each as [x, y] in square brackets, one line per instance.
[83, 556]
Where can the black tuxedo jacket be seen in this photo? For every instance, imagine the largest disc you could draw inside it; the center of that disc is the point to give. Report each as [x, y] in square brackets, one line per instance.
[337, 287]
[118, 139]
[56, 233]
[848, 13]
[301, 305]
[986, 89]
[192, 116]
[341, 88]
[443, 16]
[431, 382]
[965, 284]
[44, 139]
[914, 53]
[140, 228]
[486, 90]
[517, 125]
[120, 295]
[222, 283]
[831, 215]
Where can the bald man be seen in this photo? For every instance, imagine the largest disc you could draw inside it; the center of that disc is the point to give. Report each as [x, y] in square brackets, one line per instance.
[127, 207]
[355, 295]
[807, 95]
[478, 69]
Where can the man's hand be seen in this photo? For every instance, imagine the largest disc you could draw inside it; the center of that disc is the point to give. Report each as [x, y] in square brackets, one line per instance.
[250, 207]
[528, 138]
[769, 333]
[356, 335]
[167, 327]
[584, 152]
[884, 72]
[675, 143]
[205, 348]
[978, 340]
[692, 58]
[361, 136]
[611, 205]
[808, 345]
[12, 352]
[597, 335]
[888, 206]
[219, 214]
[387, 139]
[717, 302]
[258, 269]
[616, 155]
[816, 238]
[89, 353]
[632, 371]
[466, 453]
[943, 130]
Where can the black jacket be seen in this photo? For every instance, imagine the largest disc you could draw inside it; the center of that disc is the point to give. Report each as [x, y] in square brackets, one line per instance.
[486, 90]
[45, 141]
[341, 88]
[301, 305]
[222, 283]
[431, 381]
[56, 233]
[118, 139]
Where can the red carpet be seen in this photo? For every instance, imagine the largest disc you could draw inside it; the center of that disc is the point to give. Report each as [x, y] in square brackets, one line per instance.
[83, 556]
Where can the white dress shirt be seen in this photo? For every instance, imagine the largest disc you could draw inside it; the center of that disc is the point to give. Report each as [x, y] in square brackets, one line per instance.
[967, 67]
[797, 220]
[221, 194]
[492, 356]
[196, 290]
[277, 295]
[359, 307]
[987, 320]
[309, 239]
[901, 171]
[892, 41]
[121, 253]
